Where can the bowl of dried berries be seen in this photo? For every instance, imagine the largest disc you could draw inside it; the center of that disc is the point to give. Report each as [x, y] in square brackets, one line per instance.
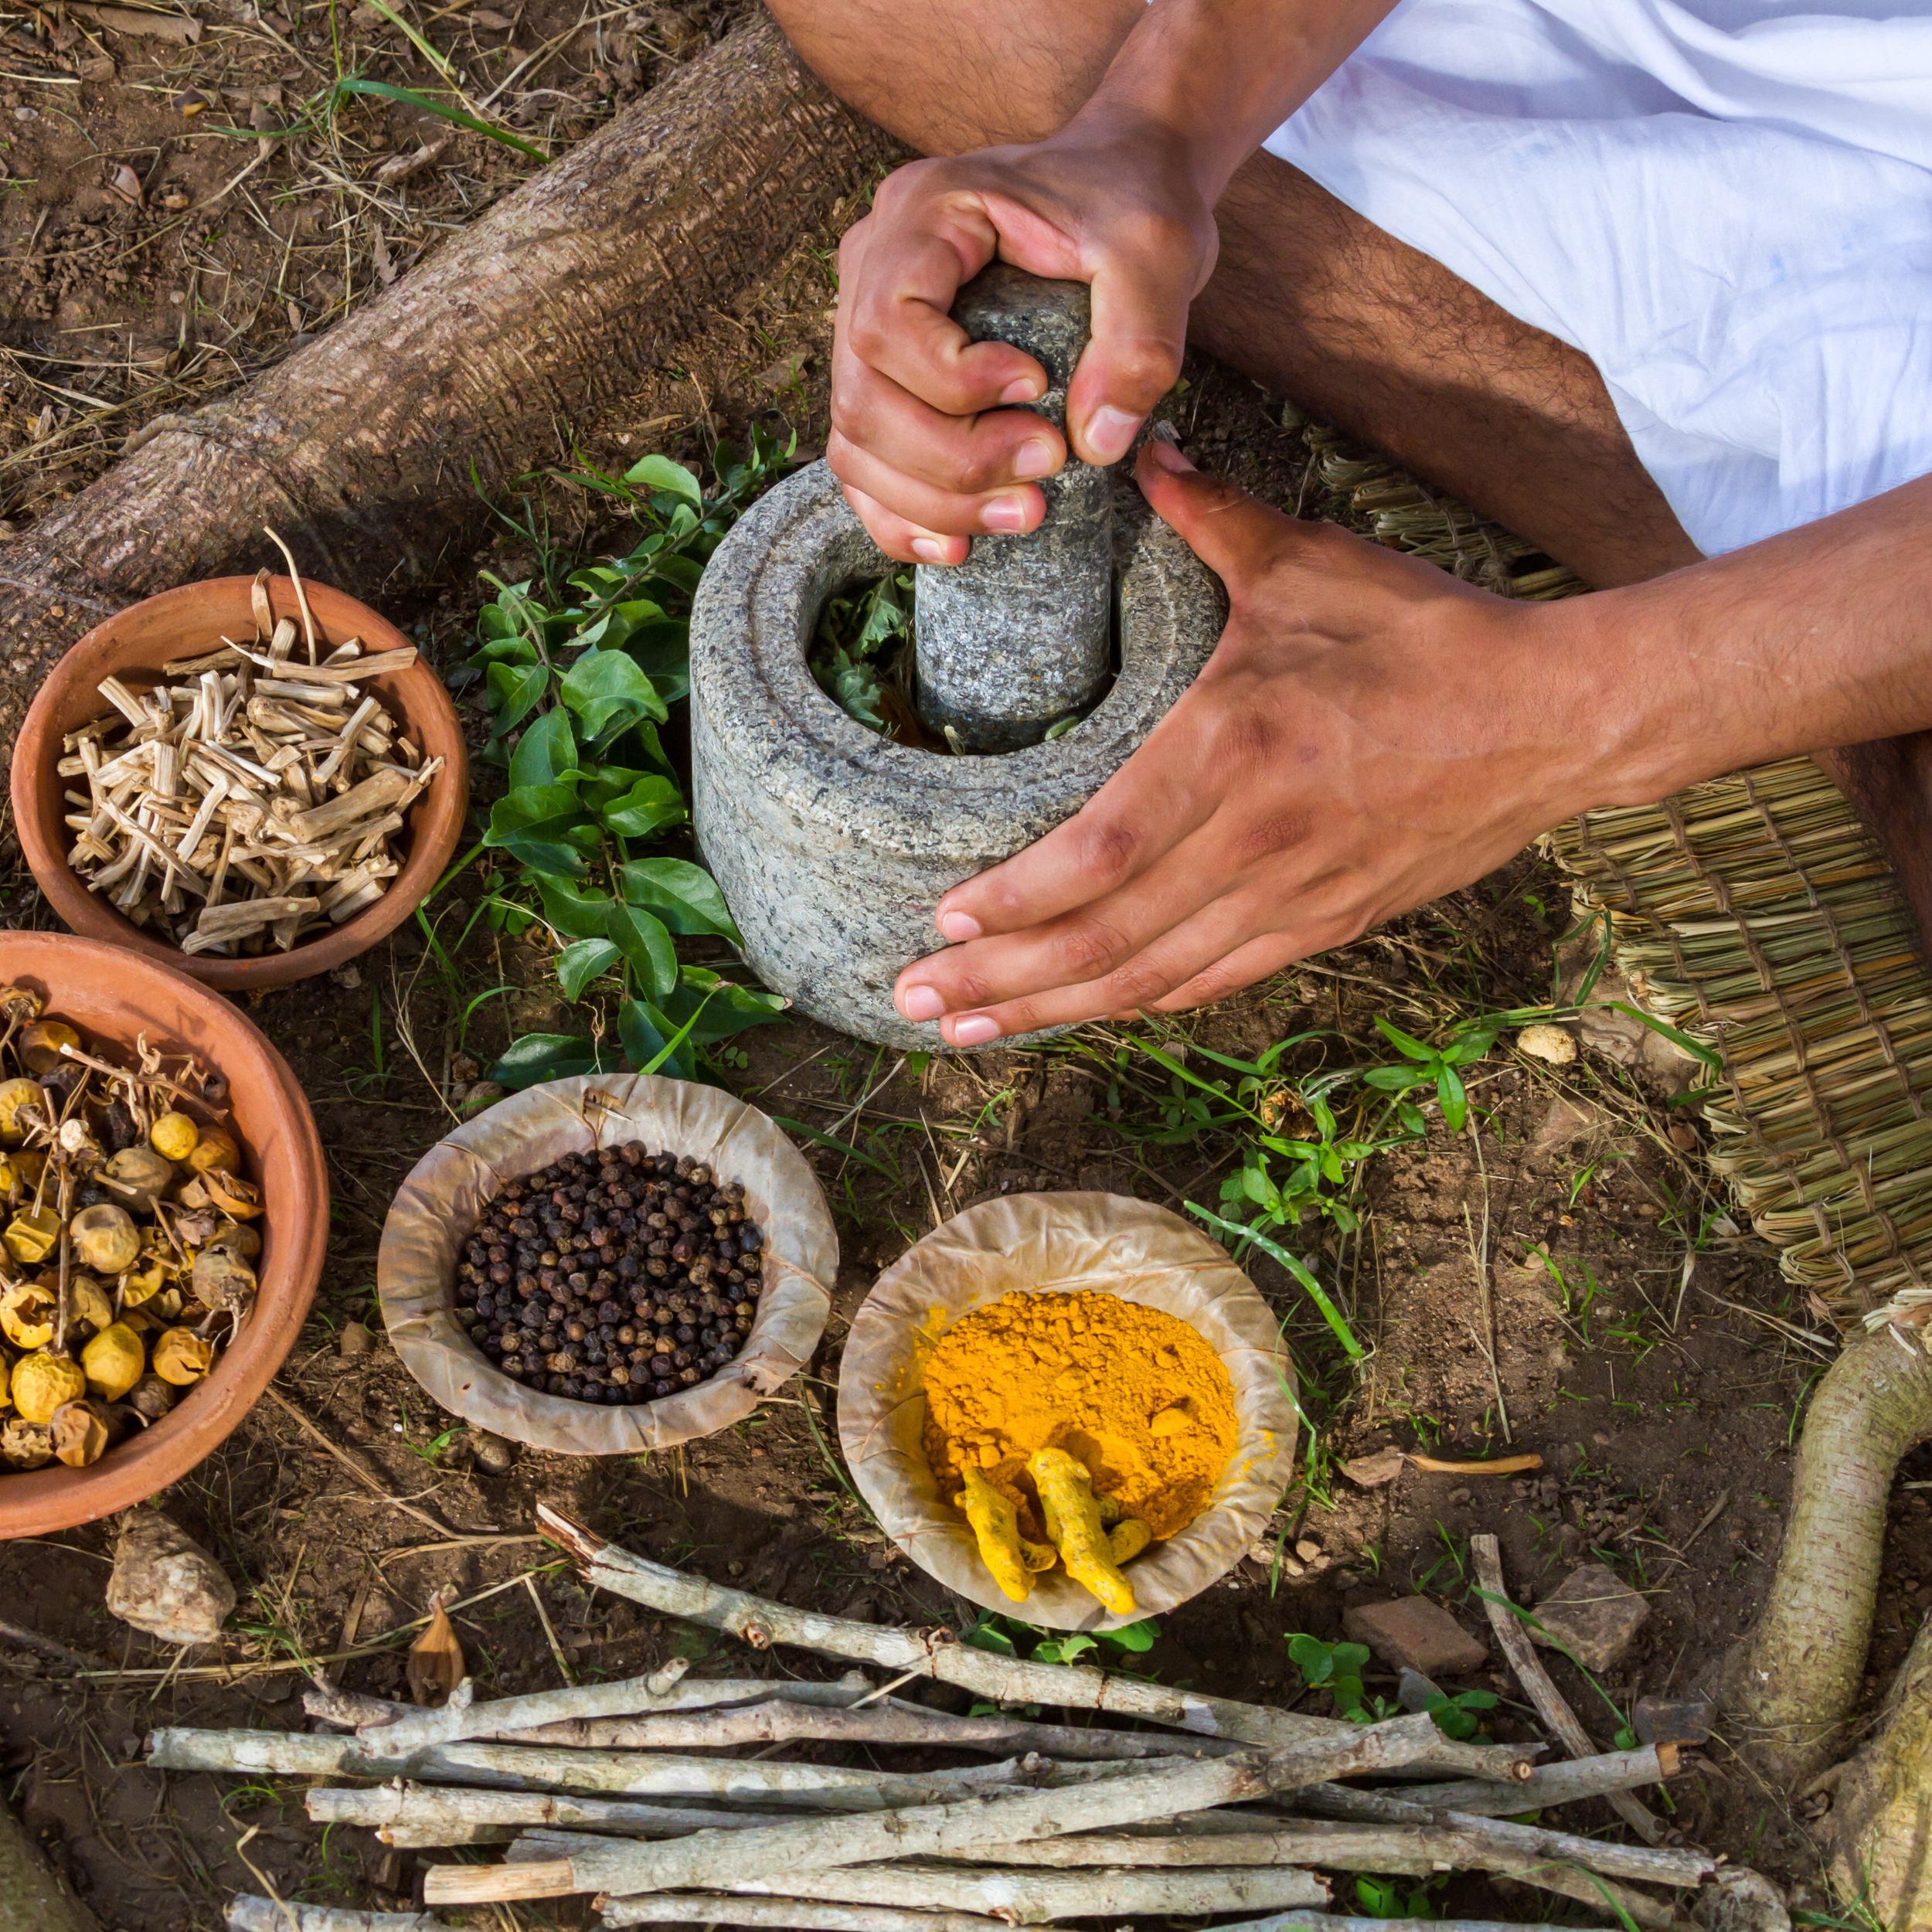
[608, 1264]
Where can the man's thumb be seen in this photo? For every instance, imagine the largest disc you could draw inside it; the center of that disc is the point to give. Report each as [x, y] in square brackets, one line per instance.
[1235, 535]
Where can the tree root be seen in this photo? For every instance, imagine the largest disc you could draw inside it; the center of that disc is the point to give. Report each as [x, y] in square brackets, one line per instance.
[1790, 1686]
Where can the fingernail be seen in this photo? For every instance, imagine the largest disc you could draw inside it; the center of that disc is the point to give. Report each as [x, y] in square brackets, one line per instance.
[957, 927]
[921, 1003]
[929, 549]
[1110, 433]
[1004, 513]
[1167, 456]
[1024, 388]
[975, 1031]
[1035, 456]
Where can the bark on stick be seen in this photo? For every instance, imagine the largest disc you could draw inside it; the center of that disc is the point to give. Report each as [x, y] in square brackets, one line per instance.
[250, 1912]
[433, 1806]
[760, 1623]
[1548, 1700]
[1554, 1783]
[551, 307]
[356, 1710]
[684, 1908]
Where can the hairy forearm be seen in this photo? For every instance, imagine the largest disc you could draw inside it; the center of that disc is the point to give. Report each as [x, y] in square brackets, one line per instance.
[1219, 75]
[1818, 637]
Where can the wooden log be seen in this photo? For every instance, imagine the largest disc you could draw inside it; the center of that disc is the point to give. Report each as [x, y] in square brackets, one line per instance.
[932, 1831]
[761, 1624]
[1548, 1700]
[806, 1915]
[551, 307]
[251, 1914]
[431, 1807]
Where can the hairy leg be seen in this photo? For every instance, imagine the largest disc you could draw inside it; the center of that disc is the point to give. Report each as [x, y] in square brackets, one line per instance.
[1307, 297]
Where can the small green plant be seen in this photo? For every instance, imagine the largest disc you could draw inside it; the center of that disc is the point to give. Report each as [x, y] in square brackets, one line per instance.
[1456, 1717]
[1387, 1898]
[580, 675]
[1337, 1669]
[1008, 1636]
[856, 653]
[1422, 1065]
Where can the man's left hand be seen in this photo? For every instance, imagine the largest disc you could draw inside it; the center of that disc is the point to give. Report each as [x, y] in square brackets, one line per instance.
[1369, 733]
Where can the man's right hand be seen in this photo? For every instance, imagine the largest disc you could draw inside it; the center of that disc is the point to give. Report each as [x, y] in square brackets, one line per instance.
[929, 454]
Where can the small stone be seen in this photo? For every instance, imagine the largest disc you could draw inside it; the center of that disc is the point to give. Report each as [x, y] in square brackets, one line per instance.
[164, 1583]
[355, 1339]
[1673, 1720]
[1415, 1633]
[1370, 1472]
[348, 976]
[492, 1453]
[1308, 1549]
[1546, 1043]
[1594, 1615]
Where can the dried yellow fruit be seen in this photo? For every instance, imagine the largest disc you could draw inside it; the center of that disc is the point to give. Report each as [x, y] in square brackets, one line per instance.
[139, 1176]
[22, 1105]
[20, 1003]
[174, 1137]
[26, 1314]
[167, 1304]
[216, 1147]
[143, 1283]
[79, 1432]
[151, 1398]
[181, 1356]
[105, 1238]
[113, 1362]
[87, 1302]
[40, 1044]
[42, 1382]
[27, 1165]
[32, 1235]
[231, 1194]
[220, 1281]
[236, 1238]
[26, 1445]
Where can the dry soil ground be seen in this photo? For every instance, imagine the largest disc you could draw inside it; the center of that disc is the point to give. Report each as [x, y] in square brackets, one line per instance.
[1557, 1279]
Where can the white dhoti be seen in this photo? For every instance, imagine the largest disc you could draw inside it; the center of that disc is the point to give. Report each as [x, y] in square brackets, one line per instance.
[1726, 204]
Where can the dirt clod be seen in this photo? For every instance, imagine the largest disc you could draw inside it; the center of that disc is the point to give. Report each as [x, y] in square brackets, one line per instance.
[164, 1583]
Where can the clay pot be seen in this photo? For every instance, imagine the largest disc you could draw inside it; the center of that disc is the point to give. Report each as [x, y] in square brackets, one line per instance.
[111, 998]
[189, 622]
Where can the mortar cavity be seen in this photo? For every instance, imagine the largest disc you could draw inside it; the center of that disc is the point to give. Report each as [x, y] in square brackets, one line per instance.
[832, 844]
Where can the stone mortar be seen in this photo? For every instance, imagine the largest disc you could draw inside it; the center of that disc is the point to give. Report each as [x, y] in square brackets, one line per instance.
[1019, 636]
[833, 845]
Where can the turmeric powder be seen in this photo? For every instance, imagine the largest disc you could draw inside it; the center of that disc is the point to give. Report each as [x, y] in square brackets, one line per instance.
[1133, 1393]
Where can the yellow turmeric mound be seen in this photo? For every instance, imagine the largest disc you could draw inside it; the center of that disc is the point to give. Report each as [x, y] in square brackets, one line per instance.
[1134, 1394]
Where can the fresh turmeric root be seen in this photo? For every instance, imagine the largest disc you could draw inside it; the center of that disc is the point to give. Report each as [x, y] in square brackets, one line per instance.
[1072, 1514]
[1012, 1559]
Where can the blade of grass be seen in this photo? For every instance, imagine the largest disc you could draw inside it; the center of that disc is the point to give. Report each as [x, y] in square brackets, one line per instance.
[355, 84]
[1299, 1270]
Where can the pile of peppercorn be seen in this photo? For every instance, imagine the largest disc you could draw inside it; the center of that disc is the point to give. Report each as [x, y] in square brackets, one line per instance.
[612, 1276]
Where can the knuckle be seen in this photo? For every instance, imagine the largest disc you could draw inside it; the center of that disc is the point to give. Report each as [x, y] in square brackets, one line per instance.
[1270, 835]
[1244, 739]
[1107, 849]
[1139, 983]
[1088, 950]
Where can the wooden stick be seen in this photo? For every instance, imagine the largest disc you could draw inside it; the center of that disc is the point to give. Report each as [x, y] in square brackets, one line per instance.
[251, 1914]
[437, 1807]
[356, 1710]
[1548, 1700]
[1024, 1897]
[1579, 1778]
[620, 1774]
[934, 1831]
[805, 1914]
[1341, 1922]
[761, 1624]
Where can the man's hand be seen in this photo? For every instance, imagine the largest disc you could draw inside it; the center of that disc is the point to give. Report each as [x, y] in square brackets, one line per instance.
[1370, 733]
[928, 456]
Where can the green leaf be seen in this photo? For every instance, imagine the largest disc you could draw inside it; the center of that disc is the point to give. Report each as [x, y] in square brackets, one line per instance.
[1407, 1043]
[355, 84]
[550, 1057]
[1312, 1658]
[545, 752]
[643, 941]
[605, 685]
[1709, 1055]
[1455, 1101]
[662, 652]
[1392, 1080]
[576, 915]
[659, 474]
[1351, 1658]
[1316, 1293]
[986, 1634]
[581, 962]
[651, 805]
[1135, 1637]
[543, 826]
[684, 895]
[514, 692]
[653, 1044]
[719, 1007]
[1347, 1693]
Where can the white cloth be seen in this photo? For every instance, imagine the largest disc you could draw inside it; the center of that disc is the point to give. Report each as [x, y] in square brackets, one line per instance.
[1726, 204]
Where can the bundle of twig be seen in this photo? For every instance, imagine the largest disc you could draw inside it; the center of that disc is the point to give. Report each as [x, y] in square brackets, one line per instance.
[255, 801]
[1209, 1806]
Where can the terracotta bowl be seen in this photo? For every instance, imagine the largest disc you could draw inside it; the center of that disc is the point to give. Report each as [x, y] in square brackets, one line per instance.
[188, 622]
[112, 998]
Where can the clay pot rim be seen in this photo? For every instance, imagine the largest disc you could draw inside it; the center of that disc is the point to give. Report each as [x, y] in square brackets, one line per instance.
[40, 1501]
[438, 819]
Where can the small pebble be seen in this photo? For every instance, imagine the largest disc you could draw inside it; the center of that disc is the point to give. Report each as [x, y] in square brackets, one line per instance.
[494, 1455]
[355, 1339]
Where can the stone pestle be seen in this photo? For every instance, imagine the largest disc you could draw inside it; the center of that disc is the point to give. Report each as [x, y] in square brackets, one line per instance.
[1019, 637]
